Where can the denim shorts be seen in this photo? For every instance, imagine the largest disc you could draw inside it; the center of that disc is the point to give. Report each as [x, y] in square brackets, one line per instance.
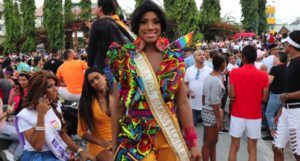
[38, 156]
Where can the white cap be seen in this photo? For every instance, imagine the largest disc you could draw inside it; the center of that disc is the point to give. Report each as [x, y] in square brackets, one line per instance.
[290, 41]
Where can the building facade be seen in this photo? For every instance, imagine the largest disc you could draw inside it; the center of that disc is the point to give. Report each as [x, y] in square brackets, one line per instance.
[270, 12]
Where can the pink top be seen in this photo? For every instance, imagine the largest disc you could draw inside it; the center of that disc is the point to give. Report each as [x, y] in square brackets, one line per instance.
[16, 99]
[2, 122]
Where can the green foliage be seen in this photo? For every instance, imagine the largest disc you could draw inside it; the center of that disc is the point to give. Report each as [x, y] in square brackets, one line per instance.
[17, 23]
[10, 45]
[169, 6]
[262, 24]
[86, 9]
[138, 2]
[28, 9]
[209, 14]
[46, 12]
[250, 17]
[68, 15]
[187, 16]
[29, 45]
[53, 23]
[197, 37]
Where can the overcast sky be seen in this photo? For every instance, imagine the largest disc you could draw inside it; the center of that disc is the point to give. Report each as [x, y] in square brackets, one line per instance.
[286, 10]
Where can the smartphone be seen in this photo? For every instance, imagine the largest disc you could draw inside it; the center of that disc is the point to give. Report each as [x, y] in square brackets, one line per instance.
[16, 86]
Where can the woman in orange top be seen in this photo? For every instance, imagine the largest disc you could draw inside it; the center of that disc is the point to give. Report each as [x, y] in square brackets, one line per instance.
[94, 123]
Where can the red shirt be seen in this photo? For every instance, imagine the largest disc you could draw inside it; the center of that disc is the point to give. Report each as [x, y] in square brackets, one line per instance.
[271, 39]
[248, 83]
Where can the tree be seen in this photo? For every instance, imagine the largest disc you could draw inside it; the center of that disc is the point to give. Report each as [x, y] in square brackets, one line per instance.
[170, 9]
[46, 14]
[53, 23]
[209, 14]
[138, 2]
[262, 24]
[250, 16]
[68, 15]
[187, 16]
[9, 42]
[86, 9]
[28, 9]
[17, 24]
[169, 6]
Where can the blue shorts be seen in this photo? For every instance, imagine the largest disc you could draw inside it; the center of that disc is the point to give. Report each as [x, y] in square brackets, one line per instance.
[38, 156]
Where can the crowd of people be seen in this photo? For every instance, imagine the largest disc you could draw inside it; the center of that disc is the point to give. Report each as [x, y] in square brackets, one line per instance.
[138, 99]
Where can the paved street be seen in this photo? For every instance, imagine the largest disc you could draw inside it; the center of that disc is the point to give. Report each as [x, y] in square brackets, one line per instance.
[264, 148]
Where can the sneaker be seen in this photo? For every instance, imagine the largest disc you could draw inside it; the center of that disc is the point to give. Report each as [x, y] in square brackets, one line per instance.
[224, 130]
[268, 137]
[6, 155]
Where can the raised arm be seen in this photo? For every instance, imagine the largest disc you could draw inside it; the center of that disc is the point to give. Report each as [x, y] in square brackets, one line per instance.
[36, 135]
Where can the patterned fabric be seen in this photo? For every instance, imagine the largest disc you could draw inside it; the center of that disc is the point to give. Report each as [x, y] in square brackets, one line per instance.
[208, 117]
[139, 126]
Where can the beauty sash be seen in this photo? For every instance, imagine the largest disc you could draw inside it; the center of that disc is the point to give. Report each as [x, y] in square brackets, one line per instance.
[52, 137]
[159, 109]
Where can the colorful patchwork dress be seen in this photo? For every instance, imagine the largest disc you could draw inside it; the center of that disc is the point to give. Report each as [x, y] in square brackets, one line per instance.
[138, 127]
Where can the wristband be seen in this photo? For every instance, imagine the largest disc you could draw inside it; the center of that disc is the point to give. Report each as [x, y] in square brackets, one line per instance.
[40, 128]
[191, 137]
[78, 151]
[286, 97]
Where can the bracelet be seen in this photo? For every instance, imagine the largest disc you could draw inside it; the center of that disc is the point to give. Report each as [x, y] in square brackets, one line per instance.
[78, 151]
[285, 95]
[191, 137]
[40, 128]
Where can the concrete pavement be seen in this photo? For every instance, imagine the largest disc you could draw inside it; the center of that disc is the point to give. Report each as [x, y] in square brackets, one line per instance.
[264, 148]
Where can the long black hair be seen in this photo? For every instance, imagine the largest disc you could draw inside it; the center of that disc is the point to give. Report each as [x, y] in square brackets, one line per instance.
[145, 7]
[22, 94]
[87, 95]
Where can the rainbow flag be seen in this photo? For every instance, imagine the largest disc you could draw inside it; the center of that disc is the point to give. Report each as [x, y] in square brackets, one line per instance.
[184, 41]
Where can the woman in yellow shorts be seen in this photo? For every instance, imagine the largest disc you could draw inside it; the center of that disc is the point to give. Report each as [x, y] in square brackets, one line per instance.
[94, 123]
[151, 95]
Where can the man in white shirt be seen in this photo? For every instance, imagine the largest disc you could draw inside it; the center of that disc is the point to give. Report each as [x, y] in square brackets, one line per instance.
[194, 79]
[269, 61]
[189, 58]
[232, 63]
[208, 61]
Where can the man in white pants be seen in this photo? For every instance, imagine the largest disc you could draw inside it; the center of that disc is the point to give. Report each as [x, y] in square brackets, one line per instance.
[288, 128]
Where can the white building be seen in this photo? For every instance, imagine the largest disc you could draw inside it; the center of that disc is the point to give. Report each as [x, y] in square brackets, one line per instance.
[284, 28]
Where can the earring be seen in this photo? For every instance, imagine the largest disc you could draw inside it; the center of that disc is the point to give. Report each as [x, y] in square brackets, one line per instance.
[140, 44]
[162, 43]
